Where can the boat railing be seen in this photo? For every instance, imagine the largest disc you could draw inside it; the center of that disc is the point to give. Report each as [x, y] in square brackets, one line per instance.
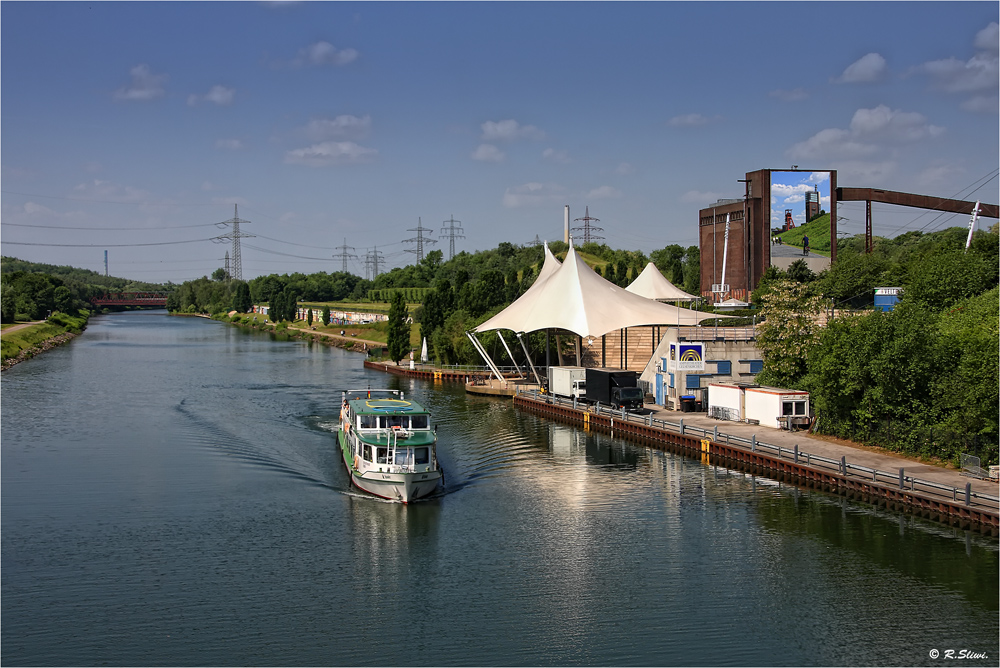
[899, 478]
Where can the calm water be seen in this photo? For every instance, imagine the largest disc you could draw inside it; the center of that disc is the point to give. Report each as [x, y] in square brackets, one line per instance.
[171, 495]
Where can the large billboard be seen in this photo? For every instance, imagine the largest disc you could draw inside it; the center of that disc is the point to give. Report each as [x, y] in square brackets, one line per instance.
[794, 193]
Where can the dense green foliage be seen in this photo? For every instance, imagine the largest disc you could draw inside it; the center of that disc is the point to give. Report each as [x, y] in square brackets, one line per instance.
[398, 339]
[33, 296]
[921, 379]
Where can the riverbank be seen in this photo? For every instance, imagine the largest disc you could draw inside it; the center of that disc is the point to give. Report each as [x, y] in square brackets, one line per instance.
[260, 323]
[26, 340]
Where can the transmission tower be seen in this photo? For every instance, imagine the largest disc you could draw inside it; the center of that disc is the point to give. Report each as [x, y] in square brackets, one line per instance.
[420, 240]
[588, 229]
[234, 235]
[344, 255]
[372, 260]
[453, 232]
[536, 243]
[229, 276]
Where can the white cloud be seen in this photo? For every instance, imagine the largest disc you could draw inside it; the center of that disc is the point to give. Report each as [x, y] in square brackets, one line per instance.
[344, 126]
[560, 157]
[988, 39]
[220, 95]
[794, 95]
[624, 169]
[978, 76]
[603, 192]
[982, 104]
[871, 131]
[870, 68]
[110, 192]
[331, 153]
[534, 194]
[892, 125]
[324, 53]
[488, 153]
[937, 176]
[509, 130]
[145, 85]
[229, 144]
[208, 186]
[33, 209]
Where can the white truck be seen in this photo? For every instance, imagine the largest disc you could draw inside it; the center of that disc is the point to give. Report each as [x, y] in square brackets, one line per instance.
[568, 381]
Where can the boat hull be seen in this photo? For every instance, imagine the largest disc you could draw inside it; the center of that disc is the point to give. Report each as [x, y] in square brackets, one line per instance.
[401, 487]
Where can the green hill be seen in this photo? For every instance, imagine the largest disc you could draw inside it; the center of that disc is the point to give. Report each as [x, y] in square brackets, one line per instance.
[818, 230]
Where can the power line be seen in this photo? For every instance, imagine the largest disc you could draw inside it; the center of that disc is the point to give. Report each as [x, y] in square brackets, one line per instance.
[344, 255]
[587, 228]
[420, 240]
[452, 232]
[109, 229]
[234, 235]
[159, 243]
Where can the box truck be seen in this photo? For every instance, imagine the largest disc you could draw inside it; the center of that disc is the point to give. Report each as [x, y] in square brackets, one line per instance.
[614, 387]
[567, 381]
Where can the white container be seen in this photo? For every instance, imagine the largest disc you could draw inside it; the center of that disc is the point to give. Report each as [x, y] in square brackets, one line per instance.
[725, 401]
[565, 381]
[768, 405]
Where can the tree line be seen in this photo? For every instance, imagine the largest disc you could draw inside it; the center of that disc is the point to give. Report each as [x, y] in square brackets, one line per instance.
[921, 379]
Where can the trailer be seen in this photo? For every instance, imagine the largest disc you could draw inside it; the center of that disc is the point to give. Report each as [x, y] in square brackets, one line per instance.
[768, 406]
[614, 387]
[568, 381]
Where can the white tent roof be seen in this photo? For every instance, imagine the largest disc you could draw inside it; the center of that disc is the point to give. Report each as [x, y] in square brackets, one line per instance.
[574, 298]
[651, 284]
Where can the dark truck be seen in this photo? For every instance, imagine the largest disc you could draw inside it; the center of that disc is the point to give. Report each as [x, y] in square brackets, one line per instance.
[614, 387]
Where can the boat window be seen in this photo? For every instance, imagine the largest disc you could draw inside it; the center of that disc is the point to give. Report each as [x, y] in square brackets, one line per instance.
[418, 422]
[368, 454]
[383, 455]
[390, 421]
[369, 422]
[421, 455]
[402, 456]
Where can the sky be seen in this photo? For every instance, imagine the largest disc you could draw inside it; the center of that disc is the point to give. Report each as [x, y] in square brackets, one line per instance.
[136, 127]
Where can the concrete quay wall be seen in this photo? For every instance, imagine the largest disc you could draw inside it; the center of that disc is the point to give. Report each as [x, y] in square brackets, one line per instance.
[787, 465]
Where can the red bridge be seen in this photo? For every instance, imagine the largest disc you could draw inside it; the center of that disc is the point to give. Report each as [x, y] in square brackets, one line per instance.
[151, 299]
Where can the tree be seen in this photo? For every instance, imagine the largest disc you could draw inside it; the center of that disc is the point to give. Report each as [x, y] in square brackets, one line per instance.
[398, 339]
[326, 316]
[219, 274]
[789, 332]
[241, 297]
[309, 316]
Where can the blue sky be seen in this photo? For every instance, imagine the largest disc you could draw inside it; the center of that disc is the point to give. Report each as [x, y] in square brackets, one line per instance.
[146, 122]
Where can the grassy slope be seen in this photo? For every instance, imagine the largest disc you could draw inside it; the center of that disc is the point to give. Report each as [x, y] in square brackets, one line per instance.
[13, 343]
[818, 231]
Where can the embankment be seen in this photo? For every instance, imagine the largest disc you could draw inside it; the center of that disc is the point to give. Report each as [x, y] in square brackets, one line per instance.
[22, 342]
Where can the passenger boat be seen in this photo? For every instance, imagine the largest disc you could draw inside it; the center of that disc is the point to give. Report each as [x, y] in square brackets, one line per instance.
[388, 445]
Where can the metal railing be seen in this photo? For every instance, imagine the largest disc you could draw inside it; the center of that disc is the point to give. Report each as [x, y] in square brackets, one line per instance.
[796, 455]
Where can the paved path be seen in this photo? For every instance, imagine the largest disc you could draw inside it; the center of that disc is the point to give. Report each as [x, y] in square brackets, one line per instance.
[833, 449]
[329, 335]
[8, 330]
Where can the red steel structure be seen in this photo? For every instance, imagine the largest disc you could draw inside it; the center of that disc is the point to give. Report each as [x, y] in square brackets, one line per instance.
[151, 299]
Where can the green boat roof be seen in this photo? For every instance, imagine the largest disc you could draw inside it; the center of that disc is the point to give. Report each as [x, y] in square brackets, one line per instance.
[386, 406]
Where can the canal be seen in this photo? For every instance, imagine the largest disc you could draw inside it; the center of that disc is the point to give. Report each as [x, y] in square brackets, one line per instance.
[172, 495]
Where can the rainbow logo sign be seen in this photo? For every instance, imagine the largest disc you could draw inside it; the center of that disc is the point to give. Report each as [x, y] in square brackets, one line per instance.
[691, 356]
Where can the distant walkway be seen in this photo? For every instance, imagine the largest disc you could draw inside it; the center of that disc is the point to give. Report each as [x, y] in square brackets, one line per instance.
[22, 325]
[331, 335]
[784, 250]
